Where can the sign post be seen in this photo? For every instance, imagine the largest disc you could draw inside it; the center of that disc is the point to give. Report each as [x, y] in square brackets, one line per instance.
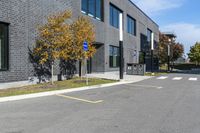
[85, 48]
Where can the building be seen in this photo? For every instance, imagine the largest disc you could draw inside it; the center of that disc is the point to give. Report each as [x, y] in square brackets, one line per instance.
[170, 35]
[20, 18]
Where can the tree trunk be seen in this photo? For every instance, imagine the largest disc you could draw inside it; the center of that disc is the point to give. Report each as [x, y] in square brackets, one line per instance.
[52, 64]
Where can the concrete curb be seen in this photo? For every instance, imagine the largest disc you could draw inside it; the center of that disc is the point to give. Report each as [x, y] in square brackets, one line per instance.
[50, 93]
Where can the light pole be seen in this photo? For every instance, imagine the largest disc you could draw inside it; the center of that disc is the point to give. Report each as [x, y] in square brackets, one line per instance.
[121, 55]
[168, 53]
[152, 48]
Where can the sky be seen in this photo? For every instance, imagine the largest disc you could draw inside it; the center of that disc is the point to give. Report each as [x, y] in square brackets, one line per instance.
[179, 16]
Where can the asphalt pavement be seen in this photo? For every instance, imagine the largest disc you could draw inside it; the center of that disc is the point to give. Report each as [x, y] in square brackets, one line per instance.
[165, 104]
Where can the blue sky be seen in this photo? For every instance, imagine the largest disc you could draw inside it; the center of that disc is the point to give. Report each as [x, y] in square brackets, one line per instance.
[179, 16]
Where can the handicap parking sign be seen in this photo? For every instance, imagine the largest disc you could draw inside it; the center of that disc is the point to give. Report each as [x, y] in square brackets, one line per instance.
[85, 46]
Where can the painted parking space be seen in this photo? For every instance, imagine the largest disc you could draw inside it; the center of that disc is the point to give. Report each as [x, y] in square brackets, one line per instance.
[79, 99]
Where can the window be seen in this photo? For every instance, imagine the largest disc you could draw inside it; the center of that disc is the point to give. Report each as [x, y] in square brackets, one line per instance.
[93, 8]
[99, 8]
[3, 46]
[114, 16]
[149, 32]
[131, 25]
[114, 56]
[84, 4]
[143, 43]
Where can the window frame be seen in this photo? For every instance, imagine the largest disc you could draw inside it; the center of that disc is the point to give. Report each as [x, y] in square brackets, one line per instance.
[95, 10]
[149, 39]
[134, 25]
[117, 57]
[6, 47]
[114, 8]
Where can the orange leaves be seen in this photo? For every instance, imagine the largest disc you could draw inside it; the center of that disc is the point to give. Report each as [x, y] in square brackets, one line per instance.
[59, 39]
[83, 31]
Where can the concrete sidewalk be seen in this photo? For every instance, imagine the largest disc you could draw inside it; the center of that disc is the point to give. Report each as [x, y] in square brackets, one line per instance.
[108, 75]
[115, 76]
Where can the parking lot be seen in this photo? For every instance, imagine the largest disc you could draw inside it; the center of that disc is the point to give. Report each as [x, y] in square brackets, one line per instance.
[149, 106]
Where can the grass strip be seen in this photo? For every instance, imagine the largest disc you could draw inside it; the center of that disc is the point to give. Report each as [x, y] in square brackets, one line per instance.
[58, 85]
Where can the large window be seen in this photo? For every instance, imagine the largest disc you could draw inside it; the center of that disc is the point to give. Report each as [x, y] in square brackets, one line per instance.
[114, 16]
[3, 46]
[114, 56]
[93, 8]
[131, 25]
[149, 33]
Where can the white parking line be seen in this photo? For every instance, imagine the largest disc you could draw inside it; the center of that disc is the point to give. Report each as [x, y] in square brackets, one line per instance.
[162, 77]
[145, 86]
[192, 79]
[177, 78]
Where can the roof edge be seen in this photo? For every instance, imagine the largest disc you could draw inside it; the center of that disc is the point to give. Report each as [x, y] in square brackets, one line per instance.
[143, 12]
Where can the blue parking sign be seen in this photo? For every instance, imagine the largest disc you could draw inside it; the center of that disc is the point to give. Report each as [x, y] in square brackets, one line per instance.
[85, 46]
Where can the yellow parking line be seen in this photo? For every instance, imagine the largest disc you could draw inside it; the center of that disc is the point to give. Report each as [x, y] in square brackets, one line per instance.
[79, 99]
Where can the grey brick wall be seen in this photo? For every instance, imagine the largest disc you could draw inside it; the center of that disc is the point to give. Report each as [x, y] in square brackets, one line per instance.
[25, 15]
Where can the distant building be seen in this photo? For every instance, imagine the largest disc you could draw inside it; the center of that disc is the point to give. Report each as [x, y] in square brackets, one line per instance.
[180, 60]
[171, 35]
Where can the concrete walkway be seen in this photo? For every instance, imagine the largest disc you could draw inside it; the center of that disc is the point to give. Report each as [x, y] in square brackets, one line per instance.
[115, 76]
[105, 75]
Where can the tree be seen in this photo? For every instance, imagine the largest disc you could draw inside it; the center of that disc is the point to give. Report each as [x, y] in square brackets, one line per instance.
[60, 39]
[162, 48]
[176, 48]
[194, 54]
[83, 30]
[54, 40]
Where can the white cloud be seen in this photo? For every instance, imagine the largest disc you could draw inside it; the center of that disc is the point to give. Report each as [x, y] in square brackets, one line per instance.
[153, 7]
[187, 33]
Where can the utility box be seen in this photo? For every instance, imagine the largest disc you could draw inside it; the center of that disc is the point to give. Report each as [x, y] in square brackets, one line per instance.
[141, 69]
[136, 69]
[129, 69]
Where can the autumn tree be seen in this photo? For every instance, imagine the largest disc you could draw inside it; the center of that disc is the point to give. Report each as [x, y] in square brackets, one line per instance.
[162, 48]
[83, 30]
[54, 40]
[176, 49]
[60, 39]
[194, 54]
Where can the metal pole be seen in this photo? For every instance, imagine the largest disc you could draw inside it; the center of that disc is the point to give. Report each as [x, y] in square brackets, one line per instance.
[121, 55]
[168, 58]
[152, 48]
[52, 63]
[86, 72]
[152, 70]
[121, 62]
[80, 72]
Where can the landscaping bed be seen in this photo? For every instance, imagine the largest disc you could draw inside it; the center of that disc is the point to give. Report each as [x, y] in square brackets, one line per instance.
[58, 85]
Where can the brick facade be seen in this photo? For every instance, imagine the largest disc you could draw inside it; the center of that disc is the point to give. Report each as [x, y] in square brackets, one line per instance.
[25, 15]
